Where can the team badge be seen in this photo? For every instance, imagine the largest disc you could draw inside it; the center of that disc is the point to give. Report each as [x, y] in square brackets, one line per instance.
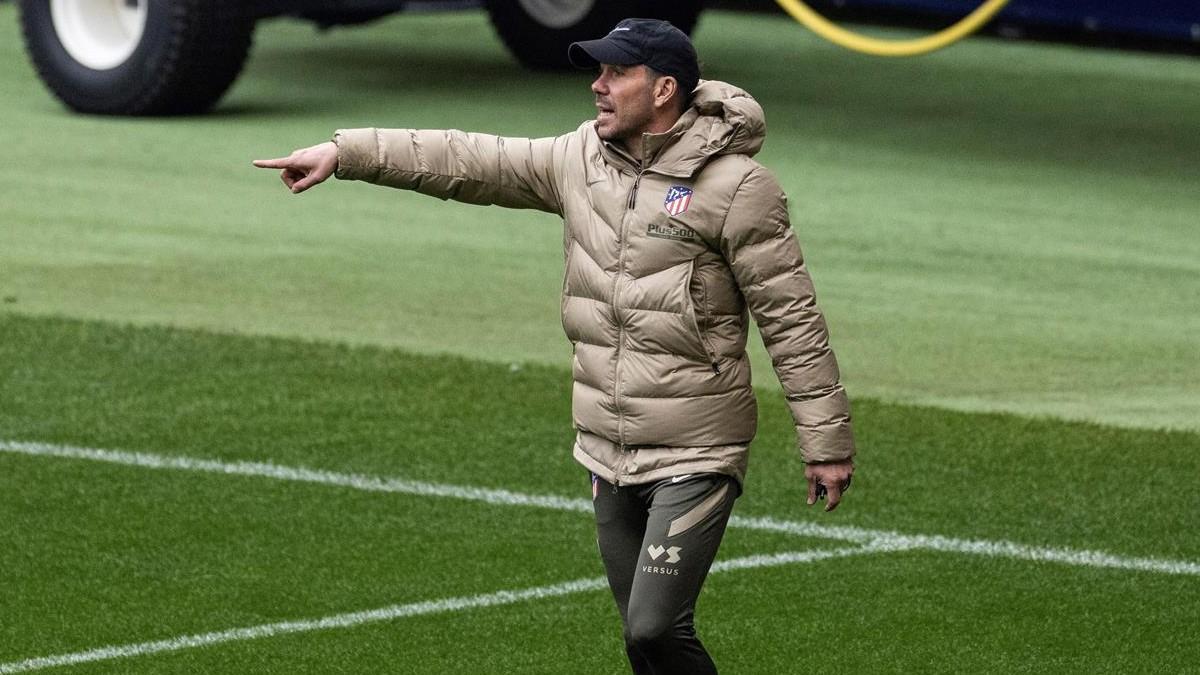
[678, 199]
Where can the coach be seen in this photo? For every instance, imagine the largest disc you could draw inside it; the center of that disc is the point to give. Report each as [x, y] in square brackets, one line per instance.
[672, 232]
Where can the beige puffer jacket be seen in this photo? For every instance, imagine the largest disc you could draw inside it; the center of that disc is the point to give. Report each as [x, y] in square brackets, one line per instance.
[663, 259]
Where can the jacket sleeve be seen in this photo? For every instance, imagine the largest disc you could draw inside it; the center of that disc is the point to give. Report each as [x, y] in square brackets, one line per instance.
[762, 250]
[451, 164]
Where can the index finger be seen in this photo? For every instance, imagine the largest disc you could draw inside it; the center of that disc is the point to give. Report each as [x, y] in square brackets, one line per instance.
[277, 163]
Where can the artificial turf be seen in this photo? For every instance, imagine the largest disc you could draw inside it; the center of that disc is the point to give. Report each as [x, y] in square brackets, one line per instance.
[1000, 226]
[98, 554]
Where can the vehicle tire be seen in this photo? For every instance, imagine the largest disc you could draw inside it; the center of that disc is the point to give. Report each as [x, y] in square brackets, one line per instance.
[538, 32]
[137, 57]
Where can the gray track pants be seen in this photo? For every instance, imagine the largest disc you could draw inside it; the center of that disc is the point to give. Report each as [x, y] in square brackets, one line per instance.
[657, 542]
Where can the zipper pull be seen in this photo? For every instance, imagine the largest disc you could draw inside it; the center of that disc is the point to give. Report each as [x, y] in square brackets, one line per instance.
[633, 193]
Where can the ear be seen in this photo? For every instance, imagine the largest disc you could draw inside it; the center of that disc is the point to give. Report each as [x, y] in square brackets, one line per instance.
[665, 87]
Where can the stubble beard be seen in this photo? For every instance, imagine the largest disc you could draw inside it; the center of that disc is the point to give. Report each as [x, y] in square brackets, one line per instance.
[617, 128]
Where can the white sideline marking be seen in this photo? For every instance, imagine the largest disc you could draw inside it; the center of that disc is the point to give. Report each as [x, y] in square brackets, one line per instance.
[996, 549]
[400, 611]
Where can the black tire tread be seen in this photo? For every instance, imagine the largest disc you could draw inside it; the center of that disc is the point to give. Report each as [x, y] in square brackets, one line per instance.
[546, 49]
[209, 41]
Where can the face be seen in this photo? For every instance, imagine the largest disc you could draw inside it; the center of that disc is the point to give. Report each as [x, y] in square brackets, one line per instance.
[625, 100]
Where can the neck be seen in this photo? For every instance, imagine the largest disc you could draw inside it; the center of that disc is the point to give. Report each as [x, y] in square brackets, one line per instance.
[634, 144]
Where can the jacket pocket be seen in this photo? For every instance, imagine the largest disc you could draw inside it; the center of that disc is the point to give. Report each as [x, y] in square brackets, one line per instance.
[567, 267]
[709, 353]
[562, 303]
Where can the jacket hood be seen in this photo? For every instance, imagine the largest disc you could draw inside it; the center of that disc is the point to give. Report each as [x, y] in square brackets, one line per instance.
[729, 118]
[722, 120]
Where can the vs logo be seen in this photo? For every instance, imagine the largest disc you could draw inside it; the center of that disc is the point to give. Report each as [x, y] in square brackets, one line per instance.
[656, 552]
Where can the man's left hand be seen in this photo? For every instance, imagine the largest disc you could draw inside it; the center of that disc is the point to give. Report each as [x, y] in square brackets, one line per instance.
[830, 479]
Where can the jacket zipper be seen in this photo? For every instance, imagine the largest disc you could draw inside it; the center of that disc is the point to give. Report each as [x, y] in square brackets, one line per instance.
[621, 244]
[704, 343]
[708, 350]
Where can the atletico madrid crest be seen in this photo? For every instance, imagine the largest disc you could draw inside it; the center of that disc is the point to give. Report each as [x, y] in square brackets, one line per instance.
[678, 199]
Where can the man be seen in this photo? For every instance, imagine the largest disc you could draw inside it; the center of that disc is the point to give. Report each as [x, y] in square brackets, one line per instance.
[672, 232]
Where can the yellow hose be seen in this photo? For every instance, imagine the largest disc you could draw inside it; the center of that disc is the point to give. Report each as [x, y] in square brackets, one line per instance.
[877, 47]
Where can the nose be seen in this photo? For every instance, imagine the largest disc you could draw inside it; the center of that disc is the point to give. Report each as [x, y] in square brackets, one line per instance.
[599, 86]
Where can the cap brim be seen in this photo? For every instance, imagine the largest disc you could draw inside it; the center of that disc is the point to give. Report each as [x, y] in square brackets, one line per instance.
[591, 53]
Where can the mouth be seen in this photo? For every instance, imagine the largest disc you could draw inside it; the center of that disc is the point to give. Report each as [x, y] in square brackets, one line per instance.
[603, 110]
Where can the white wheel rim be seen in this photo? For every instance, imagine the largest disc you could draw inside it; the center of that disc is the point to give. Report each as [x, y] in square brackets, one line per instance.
[557, 14]
[99, 34]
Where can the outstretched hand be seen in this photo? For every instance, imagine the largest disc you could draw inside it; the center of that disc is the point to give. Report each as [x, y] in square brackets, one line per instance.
[828, 479]
[305, 167]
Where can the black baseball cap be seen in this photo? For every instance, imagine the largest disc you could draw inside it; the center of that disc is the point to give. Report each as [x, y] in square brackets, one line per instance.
[651, 42]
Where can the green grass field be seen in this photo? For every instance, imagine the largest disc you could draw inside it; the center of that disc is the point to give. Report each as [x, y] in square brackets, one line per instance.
[1002, 236]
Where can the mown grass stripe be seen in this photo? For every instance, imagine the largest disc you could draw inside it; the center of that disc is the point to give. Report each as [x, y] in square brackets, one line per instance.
[899, 541]
[457, 604]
